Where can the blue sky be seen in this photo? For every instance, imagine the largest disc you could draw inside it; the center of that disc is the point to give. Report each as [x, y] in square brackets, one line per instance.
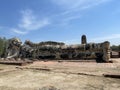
[61, 20]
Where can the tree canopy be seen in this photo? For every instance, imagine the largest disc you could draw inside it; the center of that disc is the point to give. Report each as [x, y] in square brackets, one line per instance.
[3, 43]
[115, 47]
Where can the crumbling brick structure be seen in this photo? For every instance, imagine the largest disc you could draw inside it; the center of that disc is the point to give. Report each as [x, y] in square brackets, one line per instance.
[61, 51]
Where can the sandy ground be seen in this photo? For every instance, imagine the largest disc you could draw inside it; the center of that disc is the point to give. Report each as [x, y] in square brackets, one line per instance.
[60, 76]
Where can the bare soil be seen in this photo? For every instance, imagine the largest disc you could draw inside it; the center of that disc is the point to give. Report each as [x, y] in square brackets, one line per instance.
[53, 75]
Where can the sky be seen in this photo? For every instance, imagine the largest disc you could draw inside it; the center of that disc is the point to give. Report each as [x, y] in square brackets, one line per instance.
[61, 20]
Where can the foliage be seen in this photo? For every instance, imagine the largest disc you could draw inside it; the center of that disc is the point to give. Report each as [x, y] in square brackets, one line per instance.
[115, 47]
[3, 43]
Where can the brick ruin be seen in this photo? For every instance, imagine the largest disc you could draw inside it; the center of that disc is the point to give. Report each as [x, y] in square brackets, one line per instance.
[51, 50]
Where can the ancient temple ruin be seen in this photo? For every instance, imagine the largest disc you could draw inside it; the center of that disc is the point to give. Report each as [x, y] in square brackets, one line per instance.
[51, 50]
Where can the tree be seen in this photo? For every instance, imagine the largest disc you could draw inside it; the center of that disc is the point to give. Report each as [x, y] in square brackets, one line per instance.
[115, 47]
[3, 43]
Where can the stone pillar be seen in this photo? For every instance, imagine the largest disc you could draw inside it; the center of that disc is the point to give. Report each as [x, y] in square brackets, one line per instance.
[106, 51]
[83, 39]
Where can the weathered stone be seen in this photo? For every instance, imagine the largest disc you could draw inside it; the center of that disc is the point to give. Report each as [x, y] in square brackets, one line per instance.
[83, 39]
[57, 50]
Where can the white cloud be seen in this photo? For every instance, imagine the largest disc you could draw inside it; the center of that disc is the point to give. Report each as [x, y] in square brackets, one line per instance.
[71, 6]
[30, 22]
[18, 31]
[72, 18]
[72, 9]
[69, 3]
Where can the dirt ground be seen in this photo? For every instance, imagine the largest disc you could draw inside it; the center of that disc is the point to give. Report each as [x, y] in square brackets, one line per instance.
[53, 75]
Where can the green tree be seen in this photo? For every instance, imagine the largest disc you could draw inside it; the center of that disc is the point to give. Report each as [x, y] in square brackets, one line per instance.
[115, 47]
[3, 43]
